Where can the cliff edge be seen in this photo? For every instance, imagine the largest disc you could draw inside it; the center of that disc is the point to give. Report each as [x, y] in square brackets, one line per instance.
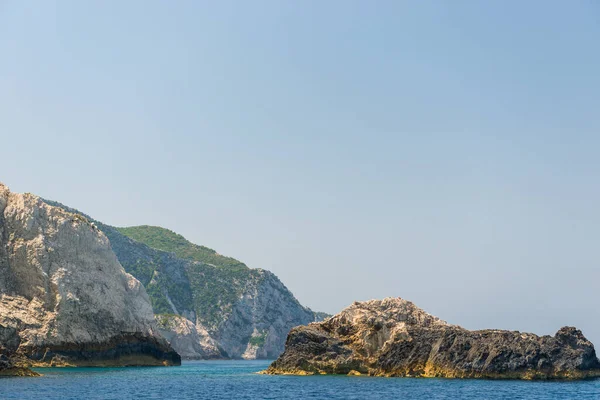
[65, 295]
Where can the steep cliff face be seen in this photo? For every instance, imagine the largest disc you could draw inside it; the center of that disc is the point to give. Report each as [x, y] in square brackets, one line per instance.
[393, 337]
[239, 313]
[260, 320]
[64, 292]
[192, 341]
[208, 305]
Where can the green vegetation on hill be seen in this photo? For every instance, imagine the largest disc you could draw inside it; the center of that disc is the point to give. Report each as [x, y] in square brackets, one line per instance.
[214, 291]
[167, 240]
[165, 321]
[258, 340]
[179, 276]
[160, 305]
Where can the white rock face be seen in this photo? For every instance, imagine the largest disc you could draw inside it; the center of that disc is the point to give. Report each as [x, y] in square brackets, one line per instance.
[191, 341]
[256, 327]
[260, 321]
[63, 289]
[391, 318]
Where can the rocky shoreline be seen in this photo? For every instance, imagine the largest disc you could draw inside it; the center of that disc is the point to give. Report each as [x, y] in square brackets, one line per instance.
[394, 338]
[66, 300]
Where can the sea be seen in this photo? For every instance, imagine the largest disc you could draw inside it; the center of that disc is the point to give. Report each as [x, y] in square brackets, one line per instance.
[239, 380]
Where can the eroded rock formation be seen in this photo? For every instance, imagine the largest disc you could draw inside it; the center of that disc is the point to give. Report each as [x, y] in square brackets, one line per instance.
[393, 337]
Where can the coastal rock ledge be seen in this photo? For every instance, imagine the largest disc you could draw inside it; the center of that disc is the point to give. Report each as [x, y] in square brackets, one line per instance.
[393, 337]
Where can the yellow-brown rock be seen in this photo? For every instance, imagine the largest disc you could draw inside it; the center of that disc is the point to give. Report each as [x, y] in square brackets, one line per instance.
[393, 337]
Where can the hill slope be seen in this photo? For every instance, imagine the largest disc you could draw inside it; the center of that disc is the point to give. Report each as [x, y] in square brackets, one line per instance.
[208, 305]
[169, 241]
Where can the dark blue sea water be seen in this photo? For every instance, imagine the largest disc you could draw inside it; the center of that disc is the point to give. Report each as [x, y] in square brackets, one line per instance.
[238, 380]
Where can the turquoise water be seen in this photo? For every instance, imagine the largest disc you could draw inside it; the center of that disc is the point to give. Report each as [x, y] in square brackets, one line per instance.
[238, 380]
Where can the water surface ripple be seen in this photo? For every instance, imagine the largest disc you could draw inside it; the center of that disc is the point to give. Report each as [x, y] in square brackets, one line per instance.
[238, 380]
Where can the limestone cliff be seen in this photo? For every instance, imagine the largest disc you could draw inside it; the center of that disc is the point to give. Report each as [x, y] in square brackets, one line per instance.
[259, 321]
[64, 293]
[393, 337]
[217, 308]
[192, 341]
[245, 313]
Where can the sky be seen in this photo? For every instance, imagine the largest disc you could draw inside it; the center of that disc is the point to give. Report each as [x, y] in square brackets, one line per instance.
[443, 152]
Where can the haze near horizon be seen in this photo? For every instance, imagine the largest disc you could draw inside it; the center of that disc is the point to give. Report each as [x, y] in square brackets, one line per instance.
[441, 152]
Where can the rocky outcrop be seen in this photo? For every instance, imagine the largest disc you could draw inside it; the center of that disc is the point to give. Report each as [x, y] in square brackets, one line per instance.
[64, 293]
[191, 341]
[393, 337]
[211, 311]
[9, 343]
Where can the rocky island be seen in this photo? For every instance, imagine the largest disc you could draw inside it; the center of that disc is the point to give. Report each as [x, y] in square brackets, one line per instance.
[393, 337]
[64, 297]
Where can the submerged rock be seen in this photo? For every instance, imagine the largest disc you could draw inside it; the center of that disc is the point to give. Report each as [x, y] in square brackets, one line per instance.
[66, 296]
[393, 337]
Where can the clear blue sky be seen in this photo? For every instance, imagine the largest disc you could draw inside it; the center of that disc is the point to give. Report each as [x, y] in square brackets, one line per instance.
[445, 152]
